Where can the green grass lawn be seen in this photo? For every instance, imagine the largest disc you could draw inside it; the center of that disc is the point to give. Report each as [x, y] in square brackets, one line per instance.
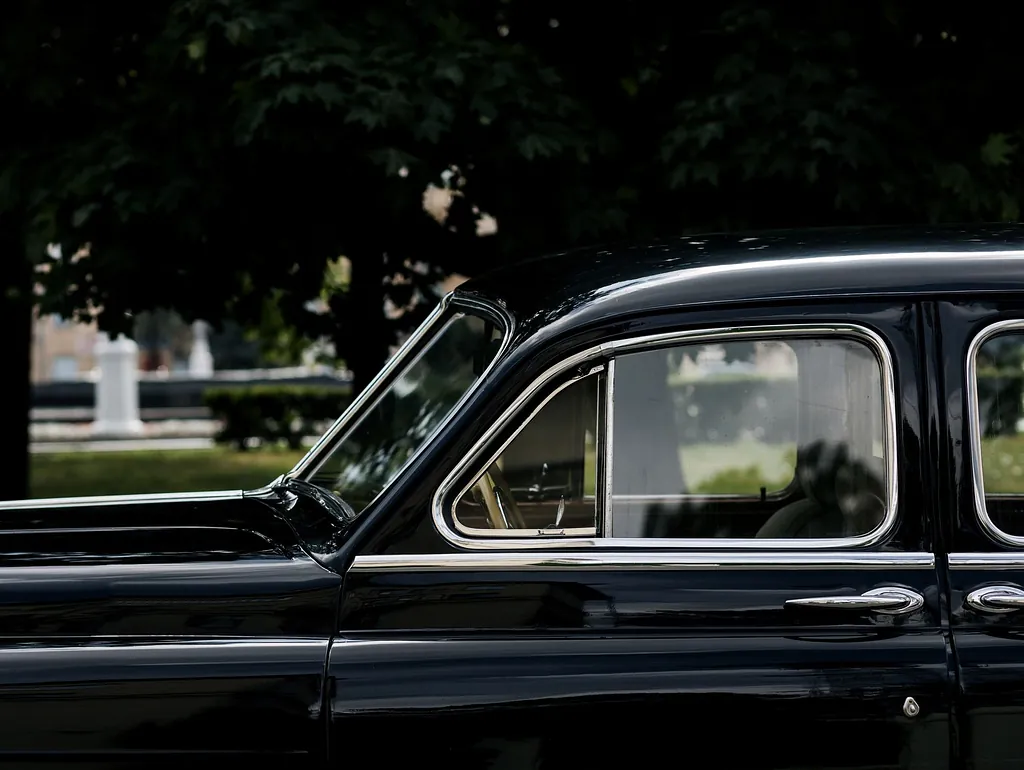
[126, 473]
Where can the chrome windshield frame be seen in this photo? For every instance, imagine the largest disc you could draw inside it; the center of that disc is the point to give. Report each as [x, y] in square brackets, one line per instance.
[321, 451]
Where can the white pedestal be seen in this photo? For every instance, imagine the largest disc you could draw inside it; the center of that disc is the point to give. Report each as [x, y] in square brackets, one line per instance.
[117, 389]
[200, 359]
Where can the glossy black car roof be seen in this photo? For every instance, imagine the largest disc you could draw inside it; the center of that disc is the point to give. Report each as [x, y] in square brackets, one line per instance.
[584, 285]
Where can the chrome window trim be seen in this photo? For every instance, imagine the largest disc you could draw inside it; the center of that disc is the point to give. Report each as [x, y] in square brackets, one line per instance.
[441, 508]
[512, 533]
[608, 465]
[1009, 560]
[309, 465]
[82, 502]
[641, 560]
[974, 429]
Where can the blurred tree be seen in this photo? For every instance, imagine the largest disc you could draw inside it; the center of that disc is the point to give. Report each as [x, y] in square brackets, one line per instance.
[214, 153]
[39, 90]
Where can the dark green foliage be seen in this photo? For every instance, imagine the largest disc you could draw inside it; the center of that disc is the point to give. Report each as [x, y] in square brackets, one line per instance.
[216, 153]
[213, 152]
[272, 414]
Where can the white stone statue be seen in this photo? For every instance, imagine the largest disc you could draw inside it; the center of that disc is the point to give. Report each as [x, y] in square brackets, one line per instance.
[117, 388]
[200, 359]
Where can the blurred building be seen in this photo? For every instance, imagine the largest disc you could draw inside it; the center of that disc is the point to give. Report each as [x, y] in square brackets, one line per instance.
[61, 349]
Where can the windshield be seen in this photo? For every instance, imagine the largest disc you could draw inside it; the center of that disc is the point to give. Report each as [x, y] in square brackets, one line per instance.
[377, 445]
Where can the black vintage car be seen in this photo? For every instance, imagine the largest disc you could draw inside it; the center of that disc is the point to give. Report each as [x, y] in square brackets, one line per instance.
[728, 501]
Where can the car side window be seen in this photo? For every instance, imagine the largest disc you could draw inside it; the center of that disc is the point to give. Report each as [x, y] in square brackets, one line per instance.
[764, 439]
[998, 428]
[730, 439]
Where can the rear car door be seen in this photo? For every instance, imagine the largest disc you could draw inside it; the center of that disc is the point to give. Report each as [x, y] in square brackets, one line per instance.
[982, 352]
[706, 539]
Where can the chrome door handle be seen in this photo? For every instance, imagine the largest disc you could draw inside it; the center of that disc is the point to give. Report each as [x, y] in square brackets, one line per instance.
[889, 600]
[996, 599]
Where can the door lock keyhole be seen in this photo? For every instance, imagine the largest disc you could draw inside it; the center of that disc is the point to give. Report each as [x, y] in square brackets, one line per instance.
[911, 708]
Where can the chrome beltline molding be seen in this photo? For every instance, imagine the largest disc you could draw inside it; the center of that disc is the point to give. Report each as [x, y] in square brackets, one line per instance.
[974, 429]
[995, 560]
[640, 560]
[80, 502]
[475, 460]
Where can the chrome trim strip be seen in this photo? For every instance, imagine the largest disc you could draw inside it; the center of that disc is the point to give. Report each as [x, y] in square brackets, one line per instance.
[640, 560]
[508, 324]
[370, 391]
[507, 534]
[174, 642]
[1009, 560]
[974, 428]
[79, 502]
[609, 461]
[438, 505]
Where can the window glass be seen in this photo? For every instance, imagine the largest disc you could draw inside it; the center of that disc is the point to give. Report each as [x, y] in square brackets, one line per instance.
[734, 415]
[408, 411]
[545, 479]
[999, 379]
[765, 439]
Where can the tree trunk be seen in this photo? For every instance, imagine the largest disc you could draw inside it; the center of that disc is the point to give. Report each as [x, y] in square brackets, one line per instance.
[363, 335]
[16, 322]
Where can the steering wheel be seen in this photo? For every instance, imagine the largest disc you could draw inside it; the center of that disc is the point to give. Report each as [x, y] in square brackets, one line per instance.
[502, 509]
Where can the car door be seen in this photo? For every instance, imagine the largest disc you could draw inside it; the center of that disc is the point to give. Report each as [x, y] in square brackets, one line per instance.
[707, 541]
[982, 350]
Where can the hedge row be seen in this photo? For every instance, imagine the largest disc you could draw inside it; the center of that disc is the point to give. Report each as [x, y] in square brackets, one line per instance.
[274, 414]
